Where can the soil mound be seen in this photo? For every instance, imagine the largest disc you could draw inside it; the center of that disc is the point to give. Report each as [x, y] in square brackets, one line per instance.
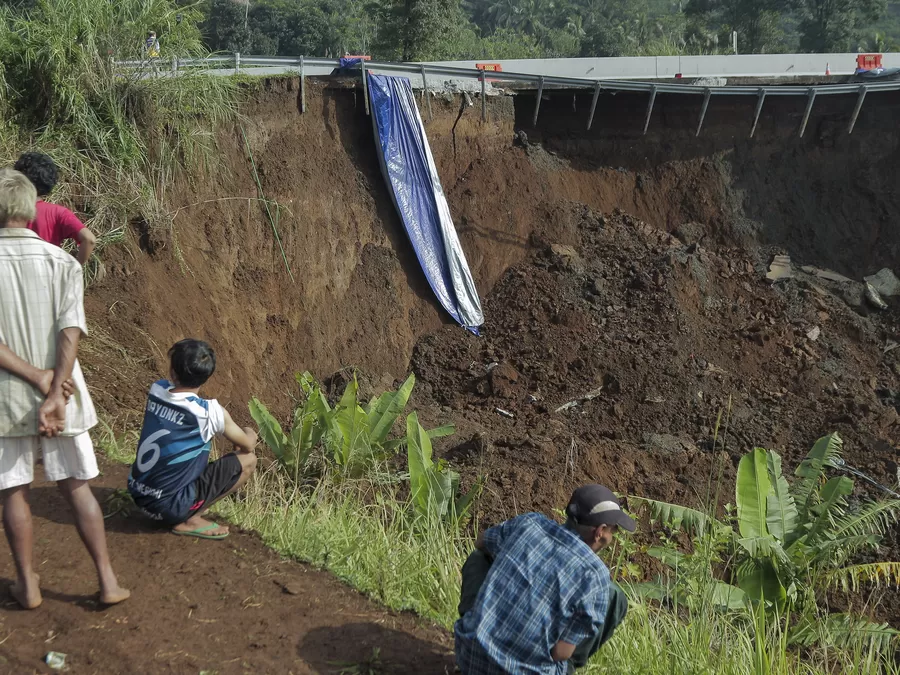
[613, 358]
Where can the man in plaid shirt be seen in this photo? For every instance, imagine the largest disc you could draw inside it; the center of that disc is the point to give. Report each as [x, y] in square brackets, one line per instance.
[536, 598]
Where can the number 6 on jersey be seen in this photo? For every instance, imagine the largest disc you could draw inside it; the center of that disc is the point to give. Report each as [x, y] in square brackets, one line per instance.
[148, 453]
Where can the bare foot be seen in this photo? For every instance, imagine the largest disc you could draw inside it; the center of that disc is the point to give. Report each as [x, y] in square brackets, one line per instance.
[28, 595]
[196, 522]
[114, 596]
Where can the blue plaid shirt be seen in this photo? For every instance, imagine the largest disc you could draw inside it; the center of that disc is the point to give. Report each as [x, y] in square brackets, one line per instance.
[545, 585]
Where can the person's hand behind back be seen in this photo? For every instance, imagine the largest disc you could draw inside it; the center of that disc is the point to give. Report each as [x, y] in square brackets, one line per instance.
[52, 415]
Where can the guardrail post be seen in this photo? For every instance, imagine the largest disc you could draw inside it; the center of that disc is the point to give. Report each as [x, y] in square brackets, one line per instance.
[759, 105]
[302, 86]
[594, 105]
[859, 104]
[237, 61]
[706, 97]
[809, 105]
[537, 105]
[650, 108]
[174, 64]
[425, 89]
[362, 69]
[483, 98]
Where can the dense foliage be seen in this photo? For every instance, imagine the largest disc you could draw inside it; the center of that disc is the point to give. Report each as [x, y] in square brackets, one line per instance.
[121, 139]
[353, 441]
[448, 29]
[492, 29]
[785, 547]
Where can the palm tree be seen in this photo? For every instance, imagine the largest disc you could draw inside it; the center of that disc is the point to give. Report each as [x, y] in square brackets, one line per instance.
[575, 25]
[502, 14]
[532, 15]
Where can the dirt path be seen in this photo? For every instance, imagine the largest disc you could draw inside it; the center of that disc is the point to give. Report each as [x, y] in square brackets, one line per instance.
[198, 606]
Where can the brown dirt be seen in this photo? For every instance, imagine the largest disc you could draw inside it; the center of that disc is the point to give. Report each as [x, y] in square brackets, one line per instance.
[572, 303]
[230, 606]
[663, 336]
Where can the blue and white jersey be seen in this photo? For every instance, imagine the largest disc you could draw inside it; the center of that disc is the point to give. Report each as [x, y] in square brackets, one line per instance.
[173, 450]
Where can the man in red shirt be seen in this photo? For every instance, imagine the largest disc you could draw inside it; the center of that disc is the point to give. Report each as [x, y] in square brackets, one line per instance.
[54, 223]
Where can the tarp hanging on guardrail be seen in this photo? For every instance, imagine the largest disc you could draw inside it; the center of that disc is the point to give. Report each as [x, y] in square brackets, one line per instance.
[412, 178]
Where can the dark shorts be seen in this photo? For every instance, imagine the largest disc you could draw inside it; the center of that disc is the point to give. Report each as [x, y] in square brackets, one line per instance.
[217, 478]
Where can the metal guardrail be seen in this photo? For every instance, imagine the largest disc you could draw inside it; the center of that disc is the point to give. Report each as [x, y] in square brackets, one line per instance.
[241, 62]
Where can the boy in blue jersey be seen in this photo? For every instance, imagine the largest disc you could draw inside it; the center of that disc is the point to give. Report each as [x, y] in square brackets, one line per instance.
[172, 480]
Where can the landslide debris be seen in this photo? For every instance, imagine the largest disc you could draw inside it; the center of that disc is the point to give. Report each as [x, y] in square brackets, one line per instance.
[612, 357]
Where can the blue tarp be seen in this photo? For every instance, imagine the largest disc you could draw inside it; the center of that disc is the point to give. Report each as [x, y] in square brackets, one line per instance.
[877, 73]
[411, 175]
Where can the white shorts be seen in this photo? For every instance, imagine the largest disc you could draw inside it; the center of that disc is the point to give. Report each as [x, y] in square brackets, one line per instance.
[64, 457]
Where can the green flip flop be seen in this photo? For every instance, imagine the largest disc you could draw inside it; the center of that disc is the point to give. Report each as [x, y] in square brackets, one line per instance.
[199, 532]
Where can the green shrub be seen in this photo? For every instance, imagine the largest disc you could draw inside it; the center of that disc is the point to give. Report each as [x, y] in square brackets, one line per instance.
[793, 544]
[121, 138]
[433, 485]
[355, 438]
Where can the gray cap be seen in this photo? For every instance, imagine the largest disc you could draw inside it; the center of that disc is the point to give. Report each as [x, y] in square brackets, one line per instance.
[595, 505]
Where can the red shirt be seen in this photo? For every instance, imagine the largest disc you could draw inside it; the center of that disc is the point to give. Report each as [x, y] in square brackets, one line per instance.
[55, 223]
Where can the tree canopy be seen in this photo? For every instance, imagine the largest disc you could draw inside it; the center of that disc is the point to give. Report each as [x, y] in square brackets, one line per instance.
[456, 29]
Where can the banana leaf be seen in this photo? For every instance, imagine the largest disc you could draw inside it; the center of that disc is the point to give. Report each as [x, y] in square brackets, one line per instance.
[831, 499]
[384, 410]
[781, 511]
[842, 631]
[751, 491]
[759, 581]
[439, 432]
[726, 596]
[350, 433]
[462, 505]
[811, 472]
[418, 448]
[877, 574]
[680, 517]
[269, 428]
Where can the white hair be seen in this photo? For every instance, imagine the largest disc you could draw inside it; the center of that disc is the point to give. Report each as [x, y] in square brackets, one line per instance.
[18, 197]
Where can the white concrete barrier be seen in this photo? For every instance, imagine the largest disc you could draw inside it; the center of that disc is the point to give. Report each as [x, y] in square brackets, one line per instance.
[664, 67]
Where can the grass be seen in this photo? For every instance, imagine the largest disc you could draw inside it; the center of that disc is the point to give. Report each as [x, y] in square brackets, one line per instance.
[658, 640]
[118, 447]
[363, 533]
[123, 141]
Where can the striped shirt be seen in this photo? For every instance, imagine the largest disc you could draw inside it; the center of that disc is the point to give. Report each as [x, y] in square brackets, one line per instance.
[546, 585]
[41, 293]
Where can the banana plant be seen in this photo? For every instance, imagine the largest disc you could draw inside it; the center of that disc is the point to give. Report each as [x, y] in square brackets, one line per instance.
[358, 435]
[355, 436]
[348, 438]
[434, 487]
[792, 543]
[311, 419]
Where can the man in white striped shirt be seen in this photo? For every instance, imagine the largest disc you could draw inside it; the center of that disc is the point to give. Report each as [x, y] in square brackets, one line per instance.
[41, 322]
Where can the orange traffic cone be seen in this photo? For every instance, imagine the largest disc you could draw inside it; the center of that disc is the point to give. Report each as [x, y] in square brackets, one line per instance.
[827, 69]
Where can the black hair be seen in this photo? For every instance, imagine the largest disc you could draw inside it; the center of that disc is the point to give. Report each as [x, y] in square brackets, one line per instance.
[40, 169]
[192, 361]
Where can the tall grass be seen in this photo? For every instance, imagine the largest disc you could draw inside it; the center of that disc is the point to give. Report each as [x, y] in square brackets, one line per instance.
[123, 139]
[658, 640]
[363, 532]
